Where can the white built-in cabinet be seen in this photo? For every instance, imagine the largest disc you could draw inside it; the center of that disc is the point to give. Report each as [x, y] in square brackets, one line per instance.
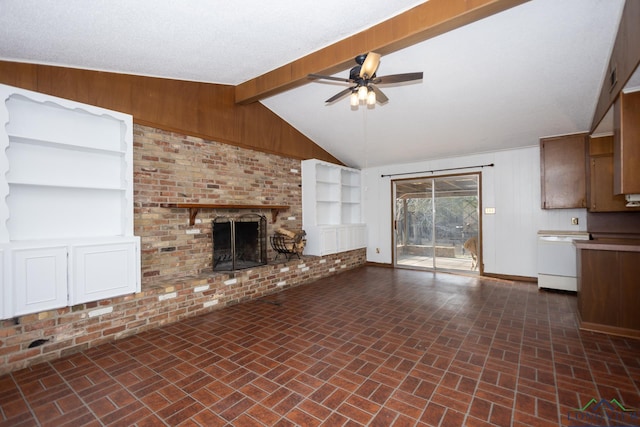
[66, 203]
[93, 276]
[331, 208]
[39, 276]
[4, 293]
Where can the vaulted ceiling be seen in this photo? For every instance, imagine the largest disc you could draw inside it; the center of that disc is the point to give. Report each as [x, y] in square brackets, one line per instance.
[498, 74]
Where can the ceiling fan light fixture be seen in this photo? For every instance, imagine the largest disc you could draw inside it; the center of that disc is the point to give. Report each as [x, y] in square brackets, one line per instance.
[353, 98]
[362, 93]
[371, 97]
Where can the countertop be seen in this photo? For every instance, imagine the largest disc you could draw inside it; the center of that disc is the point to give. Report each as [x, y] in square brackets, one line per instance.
[620, 245]
[561, 233]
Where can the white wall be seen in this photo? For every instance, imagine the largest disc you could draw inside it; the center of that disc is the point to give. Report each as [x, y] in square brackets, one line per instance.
[512, 187]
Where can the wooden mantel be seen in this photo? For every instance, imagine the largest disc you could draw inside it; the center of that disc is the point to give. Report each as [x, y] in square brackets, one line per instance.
[195, 207]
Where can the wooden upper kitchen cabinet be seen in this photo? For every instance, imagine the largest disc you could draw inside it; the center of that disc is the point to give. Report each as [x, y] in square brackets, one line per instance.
[600, 183]
[626, 147]
[563, 171]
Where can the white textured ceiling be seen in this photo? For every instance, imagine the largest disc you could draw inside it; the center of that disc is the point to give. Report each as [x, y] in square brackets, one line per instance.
[503, 82]
[215, 41]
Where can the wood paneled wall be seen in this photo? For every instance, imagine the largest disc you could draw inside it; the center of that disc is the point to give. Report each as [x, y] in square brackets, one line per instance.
[204, 110]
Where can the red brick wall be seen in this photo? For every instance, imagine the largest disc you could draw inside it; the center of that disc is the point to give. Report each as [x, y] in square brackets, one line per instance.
[173, 168]
[177, 280]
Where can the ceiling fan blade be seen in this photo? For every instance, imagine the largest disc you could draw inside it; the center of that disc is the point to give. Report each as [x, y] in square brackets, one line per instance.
[370, 65]
[340, 94]
[398, 78]
[320, 76]
[380, 97]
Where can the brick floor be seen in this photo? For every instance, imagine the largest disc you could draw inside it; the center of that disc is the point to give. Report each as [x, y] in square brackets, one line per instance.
[373, 346]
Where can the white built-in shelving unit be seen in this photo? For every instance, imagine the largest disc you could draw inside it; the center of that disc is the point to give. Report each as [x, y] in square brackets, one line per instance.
[331, 208]
[66, 203]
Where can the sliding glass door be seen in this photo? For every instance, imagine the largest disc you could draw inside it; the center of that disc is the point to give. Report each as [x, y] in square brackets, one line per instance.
[436, 222]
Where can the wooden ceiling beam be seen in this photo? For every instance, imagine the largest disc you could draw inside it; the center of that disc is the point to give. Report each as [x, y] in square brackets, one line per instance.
[425, 21]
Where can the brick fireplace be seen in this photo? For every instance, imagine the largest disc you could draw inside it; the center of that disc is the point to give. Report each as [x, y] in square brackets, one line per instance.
[176, 262]
[172, 168]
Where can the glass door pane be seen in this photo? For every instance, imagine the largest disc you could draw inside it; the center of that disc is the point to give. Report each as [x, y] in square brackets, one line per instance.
[414, 223]
[456, 220]
[434, 217]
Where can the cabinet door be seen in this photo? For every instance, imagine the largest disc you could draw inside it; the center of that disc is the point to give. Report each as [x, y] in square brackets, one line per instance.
[598, 291]
[601, 194]
[5, 297]
[563, 172]
[626, 146]
[39, 279]
[344, 238]
[329, 240]
[359, 236]
[351, 237]
[629, 270]
[102, 271]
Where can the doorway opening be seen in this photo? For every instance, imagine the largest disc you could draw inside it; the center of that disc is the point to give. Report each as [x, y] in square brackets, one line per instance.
[437, 223]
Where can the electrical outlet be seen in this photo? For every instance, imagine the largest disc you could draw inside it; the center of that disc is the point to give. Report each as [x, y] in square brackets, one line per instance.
[574, 221]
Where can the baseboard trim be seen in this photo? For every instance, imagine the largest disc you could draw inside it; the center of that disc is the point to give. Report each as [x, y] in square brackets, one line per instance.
[512, 278]
[378, 264]
[610, 330]
[508, 277]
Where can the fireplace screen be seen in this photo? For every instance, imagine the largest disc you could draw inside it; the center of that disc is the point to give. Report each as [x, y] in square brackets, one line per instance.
[239, 242]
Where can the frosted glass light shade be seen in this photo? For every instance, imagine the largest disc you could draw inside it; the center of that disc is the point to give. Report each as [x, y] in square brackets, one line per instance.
[353, 99]
[371, 98]
[362, 93]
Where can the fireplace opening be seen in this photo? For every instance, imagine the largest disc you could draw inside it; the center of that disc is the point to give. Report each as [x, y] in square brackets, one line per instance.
[239, 242]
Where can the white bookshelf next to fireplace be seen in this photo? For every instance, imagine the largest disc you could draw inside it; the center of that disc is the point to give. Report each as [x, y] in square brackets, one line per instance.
[66, 203]
[331, 208]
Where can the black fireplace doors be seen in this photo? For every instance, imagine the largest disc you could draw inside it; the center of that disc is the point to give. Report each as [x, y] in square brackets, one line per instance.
[239, 242]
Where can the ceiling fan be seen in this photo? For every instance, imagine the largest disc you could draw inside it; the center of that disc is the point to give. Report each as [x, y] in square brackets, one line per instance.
[364, 80]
